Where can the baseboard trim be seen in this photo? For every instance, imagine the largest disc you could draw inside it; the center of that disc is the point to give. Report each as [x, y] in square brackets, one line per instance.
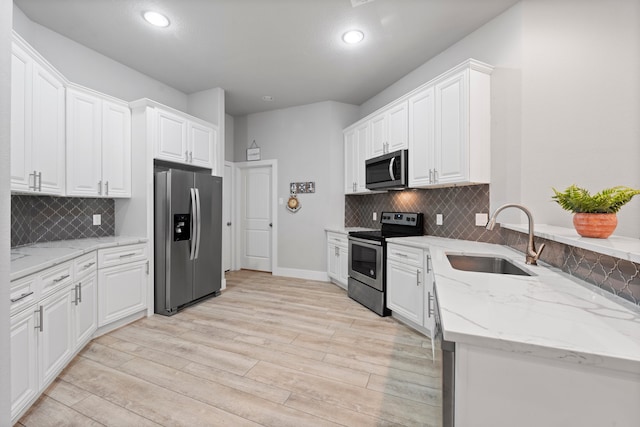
[320, 276]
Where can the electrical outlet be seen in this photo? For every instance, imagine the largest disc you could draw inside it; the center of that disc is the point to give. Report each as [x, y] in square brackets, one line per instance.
[482, 219]
[97, 219]
[439, 219]
[375, 216]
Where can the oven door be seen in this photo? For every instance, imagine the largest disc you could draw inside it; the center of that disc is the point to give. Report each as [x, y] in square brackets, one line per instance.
[366, 262]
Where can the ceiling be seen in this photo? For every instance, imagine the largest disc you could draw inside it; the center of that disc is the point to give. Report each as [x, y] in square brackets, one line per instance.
[288, 49]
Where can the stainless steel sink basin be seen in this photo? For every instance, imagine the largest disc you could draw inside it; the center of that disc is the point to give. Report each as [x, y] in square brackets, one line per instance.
[485, 264]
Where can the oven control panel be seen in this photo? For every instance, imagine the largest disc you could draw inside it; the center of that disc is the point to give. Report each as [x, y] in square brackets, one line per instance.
[399, 218]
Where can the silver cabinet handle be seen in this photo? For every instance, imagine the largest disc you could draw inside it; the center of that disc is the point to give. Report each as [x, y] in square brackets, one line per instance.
[35, 187]
[191, 156]
[40, 326]
[23, 296]
[429, 299]
[106, 187]
[39, 181]
[84, 267]
[435, 176]
[99, 187]
[75, 296]
[147, 267]
[418, 277]
[428, 263]
[401, 254]
[127, 255]
[430, 176]
[61, 278]
[186, 156]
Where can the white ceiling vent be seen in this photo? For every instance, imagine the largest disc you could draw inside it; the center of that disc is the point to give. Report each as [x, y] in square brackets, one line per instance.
[356, 3]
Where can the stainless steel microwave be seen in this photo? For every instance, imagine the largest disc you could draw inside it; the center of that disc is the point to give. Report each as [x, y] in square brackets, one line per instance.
[387, 172]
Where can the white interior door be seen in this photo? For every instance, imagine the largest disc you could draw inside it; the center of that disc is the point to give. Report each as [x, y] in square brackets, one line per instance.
[227, 202]
[256, 223]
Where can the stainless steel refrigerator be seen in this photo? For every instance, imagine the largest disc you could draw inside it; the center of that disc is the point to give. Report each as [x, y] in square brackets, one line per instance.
[188, 238]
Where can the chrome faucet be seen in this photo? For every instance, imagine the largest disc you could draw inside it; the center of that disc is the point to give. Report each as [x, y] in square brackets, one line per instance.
[531, 255]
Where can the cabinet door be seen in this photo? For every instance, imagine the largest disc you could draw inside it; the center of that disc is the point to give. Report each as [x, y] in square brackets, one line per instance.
[421, 138]
[452, 163]
[344, 265]
[378, 129]
[116, 149]
[84, 153]
[405, 291]
[362, 144]
[48, 131]
[122, 291]
[21, 86]
[55, 339]
[171, 141]
[201, 142]
[85, 310]
[350, 156]
[398, 128]
[429, 297]
[333, 261]
[24, 368]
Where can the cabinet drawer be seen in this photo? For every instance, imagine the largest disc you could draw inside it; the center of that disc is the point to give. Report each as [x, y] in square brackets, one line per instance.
[85, 265]
[405, 254]
[122, 255]
[24, 292]
[337, 239]
[56, 277]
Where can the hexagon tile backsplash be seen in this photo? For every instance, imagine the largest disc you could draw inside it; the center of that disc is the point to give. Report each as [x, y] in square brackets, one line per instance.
[36, 219]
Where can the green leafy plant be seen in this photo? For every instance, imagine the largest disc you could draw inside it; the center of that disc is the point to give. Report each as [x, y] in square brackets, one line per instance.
[579, 200]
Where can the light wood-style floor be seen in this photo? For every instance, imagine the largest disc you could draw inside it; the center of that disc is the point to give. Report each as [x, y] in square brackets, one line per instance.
[270, 351]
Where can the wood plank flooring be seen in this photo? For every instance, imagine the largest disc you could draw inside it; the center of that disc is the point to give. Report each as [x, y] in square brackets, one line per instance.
[270, 351]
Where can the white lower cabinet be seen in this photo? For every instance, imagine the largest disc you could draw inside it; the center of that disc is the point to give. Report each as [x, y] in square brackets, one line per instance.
[338, 259]
[54, 313]
[405, 290]
[122, 282]
[24, 361]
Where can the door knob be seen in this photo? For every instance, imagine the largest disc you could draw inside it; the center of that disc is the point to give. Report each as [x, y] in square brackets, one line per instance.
[270, 224]
[229, 224]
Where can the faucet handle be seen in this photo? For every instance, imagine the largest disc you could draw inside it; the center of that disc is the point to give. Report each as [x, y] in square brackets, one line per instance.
[533, 256]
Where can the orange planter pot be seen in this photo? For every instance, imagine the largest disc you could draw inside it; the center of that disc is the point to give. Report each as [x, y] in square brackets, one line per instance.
[597, 225]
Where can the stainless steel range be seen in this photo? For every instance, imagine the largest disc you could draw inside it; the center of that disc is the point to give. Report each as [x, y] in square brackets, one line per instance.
[368, 258]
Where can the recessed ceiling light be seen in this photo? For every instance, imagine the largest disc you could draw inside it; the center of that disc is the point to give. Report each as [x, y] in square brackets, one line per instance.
[155, 18]
[353, 36]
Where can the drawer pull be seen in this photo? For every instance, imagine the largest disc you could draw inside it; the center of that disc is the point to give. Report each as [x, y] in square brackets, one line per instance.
[84, 267]
[128, 255]
[400, 254]
[429, 299]
[428, 263]
[61, 278]
[23, 296]
[40, 312]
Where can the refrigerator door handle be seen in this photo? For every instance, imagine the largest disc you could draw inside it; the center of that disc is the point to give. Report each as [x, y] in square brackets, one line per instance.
[194, 226]
[198, 223]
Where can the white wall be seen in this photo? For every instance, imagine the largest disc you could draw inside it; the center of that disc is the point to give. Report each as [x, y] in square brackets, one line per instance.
[5, 208]
[307, 142]
[581, 103]
[229, 138]
[88, 68]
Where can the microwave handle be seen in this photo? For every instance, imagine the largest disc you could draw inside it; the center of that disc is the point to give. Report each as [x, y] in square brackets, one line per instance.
[393, 159]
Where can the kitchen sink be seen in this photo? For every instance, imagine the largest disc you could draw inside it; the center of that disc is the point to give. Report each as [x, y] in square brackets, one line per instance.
[485, 264]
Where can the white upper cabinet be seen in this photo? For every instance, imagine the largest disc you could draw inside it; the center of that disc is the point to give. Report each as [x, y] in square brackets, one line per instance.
[183, 140]
[449, 129]
[422, 137]
[37, 124]
[98, 146]
[356, 143]
[389, 130]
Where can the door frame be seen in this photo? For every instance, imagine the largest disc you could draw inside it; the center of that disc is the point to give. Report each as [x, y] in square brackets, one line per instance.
[232, 217]
[239, 196]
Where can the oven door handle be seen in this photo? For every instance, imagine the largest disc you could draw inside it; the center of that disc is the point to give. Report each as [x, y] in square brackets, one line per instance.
[365, 241]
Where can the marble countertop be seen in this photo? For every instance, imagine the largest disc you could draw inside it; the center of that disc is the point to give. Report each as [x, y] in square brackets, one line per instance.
[30, 259]
[548, 314]
[346, 230]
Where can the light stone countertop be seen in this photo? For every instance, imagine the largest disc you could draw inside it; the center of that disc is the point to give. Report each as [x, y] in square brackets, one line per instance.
[30, 259]
[346, 230]
[549, 314]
